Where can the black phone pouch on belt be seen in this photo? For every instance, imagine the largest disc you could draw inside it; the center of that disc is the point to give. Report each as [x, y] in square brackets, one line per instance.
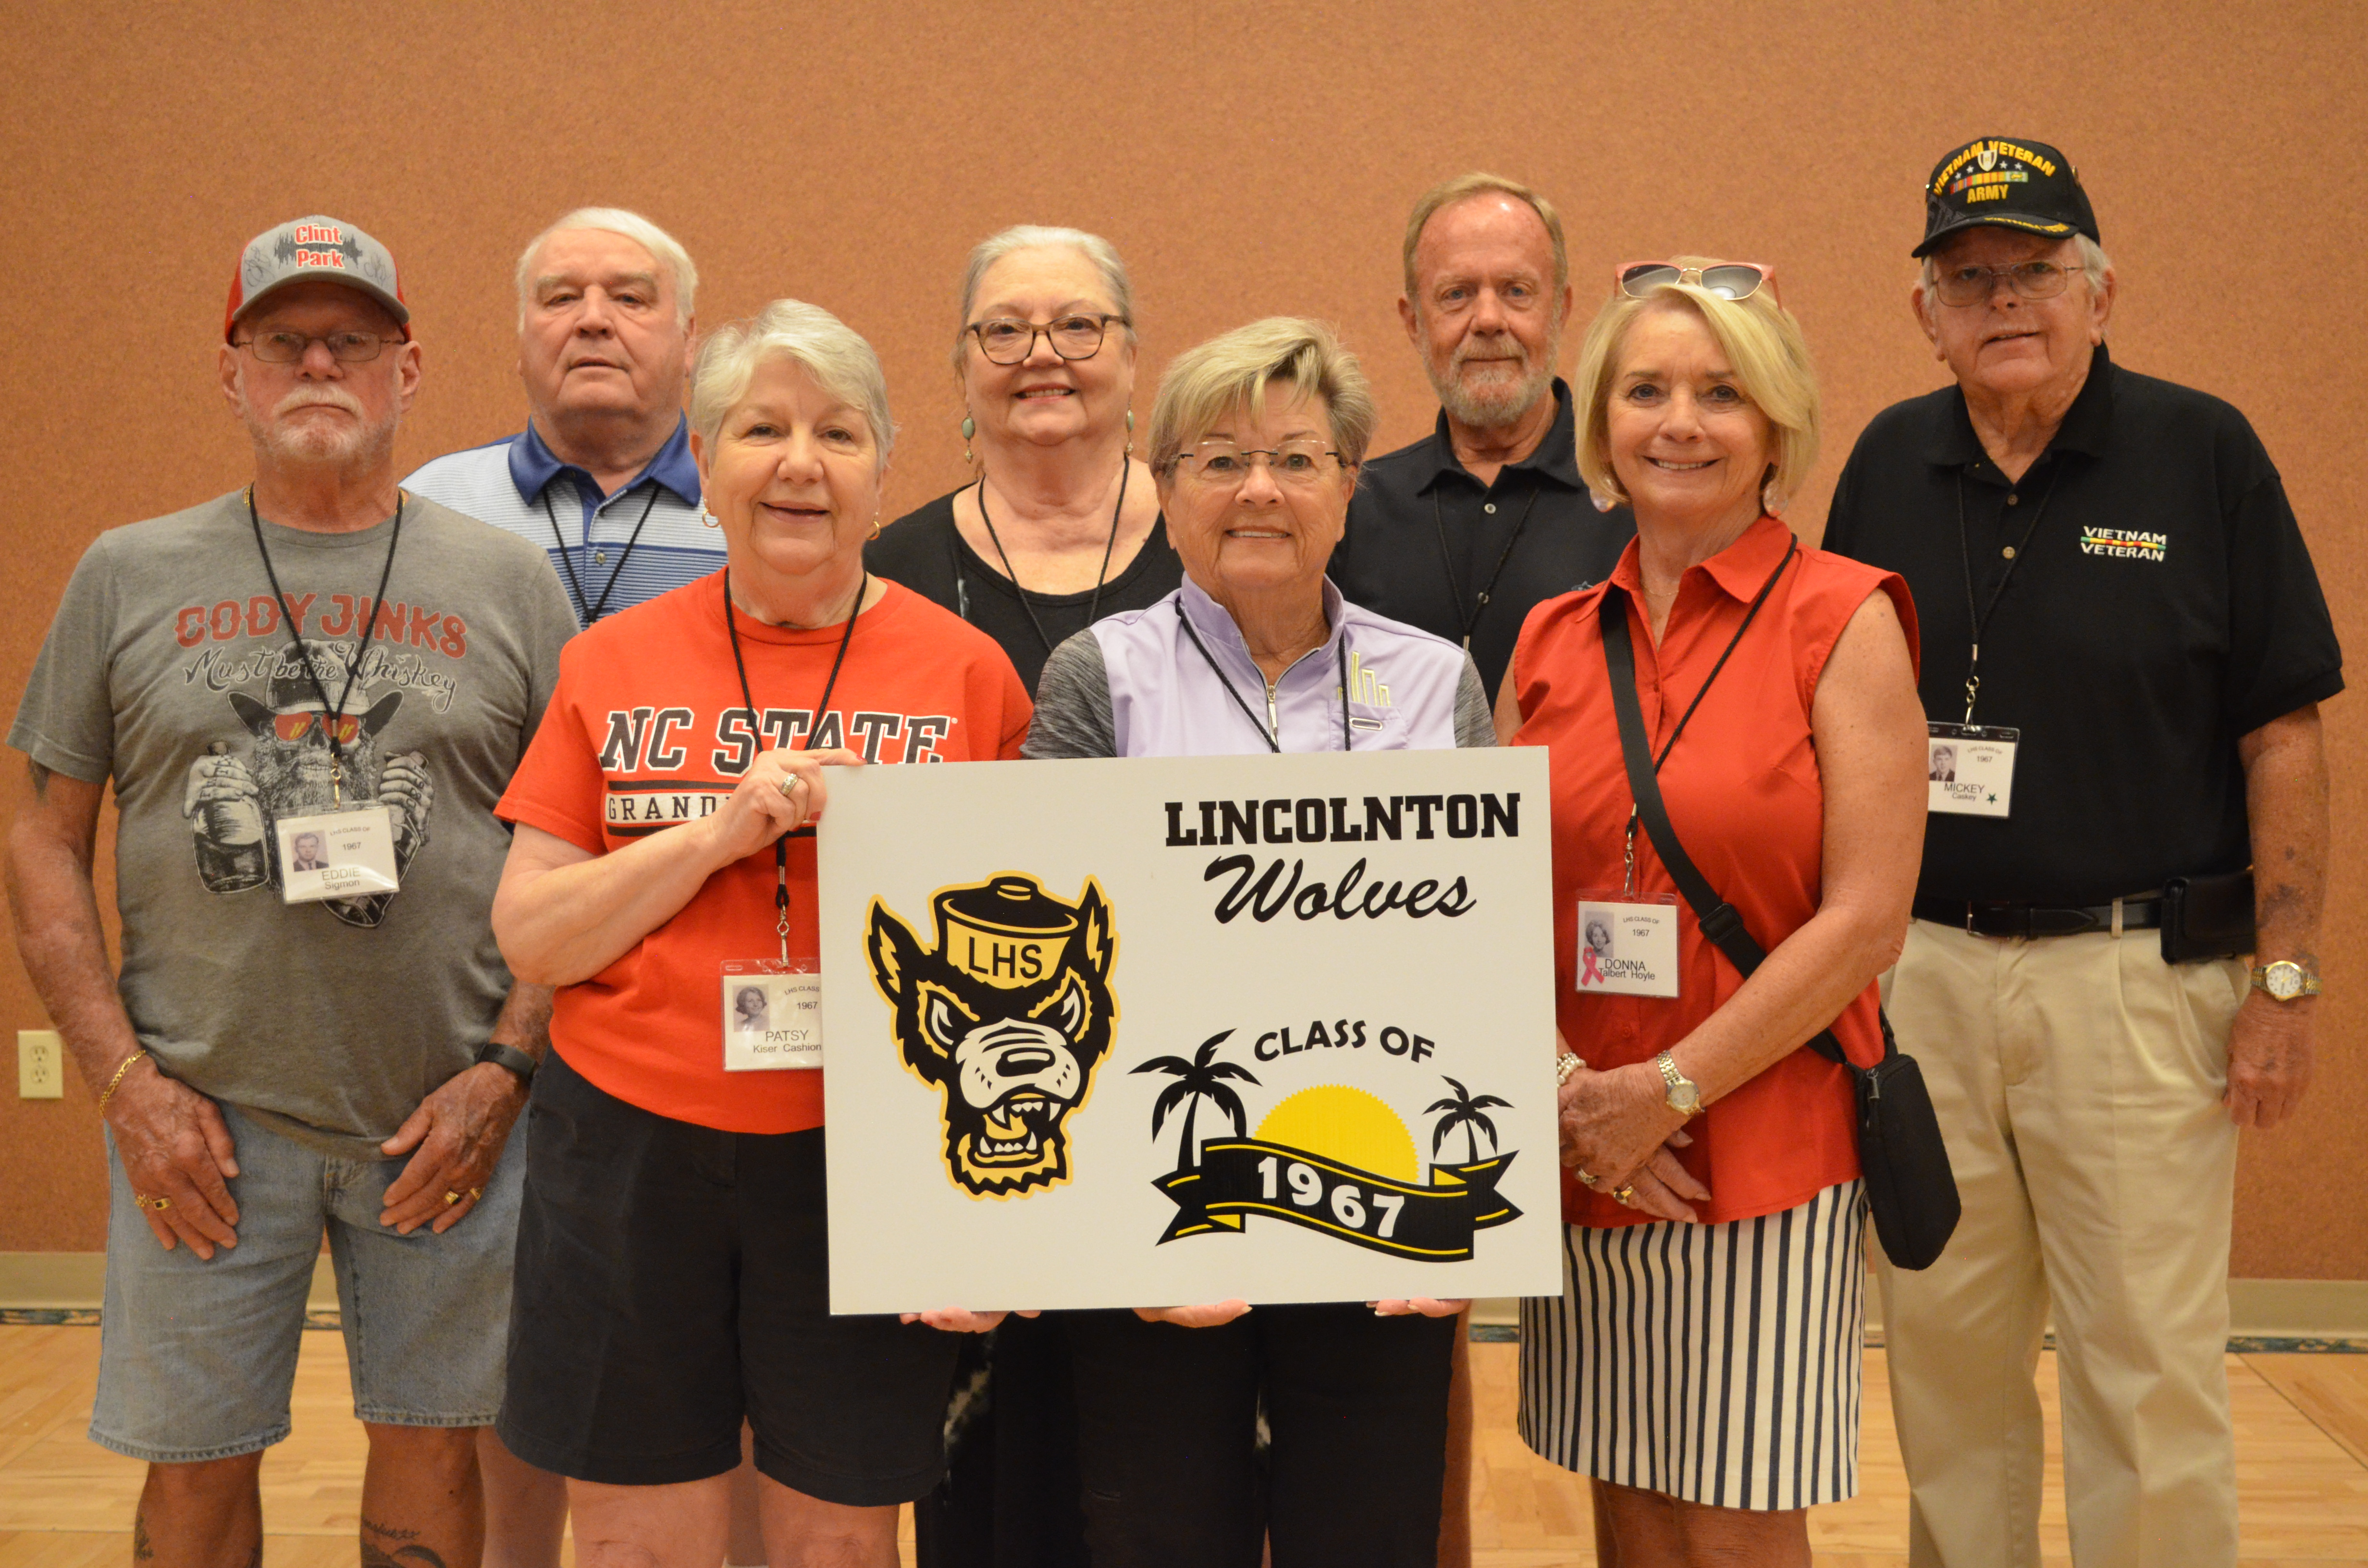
[2207, 917]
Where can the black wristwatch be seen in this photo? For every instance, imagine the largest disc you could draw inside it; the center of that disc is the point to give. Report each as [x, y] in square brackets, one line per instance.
[509, 1056]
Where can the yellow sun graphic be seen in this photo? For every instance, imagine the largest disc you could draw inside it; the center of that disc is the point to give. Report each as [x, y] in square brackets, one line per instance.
[1347, 1125]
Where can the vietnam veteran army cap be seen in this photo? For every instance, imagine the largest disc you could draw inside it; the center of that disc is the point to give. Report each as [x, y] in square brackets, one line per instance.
[328, 249]
[1999, 181]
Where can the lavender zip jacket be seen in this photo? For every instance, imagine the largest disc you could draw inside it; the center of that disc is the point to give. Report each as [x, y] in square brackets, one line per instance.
[1176, 679]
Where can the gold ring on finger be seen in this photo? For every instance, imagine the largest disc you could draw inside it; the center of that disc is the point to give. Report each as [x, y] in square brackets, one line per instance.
[1587, 1177]
[1625, 1196]
[450, 1199]
[475, 1193]
[160, 1203]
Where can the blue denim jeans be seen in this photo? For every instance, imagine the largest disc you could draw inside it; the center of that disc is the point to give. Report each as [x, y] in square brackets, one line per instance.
[197, 1359]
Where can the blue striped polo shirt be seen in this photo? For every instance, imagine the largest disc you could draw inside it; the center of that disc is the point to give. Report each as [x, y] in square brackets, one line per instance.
[515, 484]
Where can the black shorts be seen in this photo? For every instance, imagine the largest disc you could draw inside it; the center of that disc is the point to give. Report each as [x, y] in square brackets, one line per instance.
[671, 1279]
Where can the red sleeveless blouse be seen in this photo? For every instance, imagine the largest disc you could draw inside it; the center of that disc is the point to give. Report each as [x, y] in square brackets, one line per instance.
[1746, 798]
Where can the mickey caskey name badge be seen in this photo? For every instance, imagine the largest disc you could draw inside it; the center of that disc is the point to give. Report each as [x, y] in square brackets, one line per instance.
[1970, 768]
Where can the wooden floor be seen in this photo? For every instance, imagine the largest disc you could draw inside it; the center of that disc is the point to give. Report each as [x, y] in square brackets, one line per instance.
[2302, 1456]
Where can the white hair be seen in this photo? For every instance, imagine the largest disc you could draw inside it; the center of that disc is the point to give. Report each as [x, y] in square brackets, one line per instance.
[1038, 236]
[662, 247]
[833, 353]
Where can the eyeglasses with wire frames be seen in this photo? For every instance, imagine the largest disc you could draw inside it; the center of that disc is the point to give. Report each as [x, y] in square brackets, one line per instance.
[1008, 340]
[1727, 280]
[1218, 464]
[1968, 283]
[288, 347]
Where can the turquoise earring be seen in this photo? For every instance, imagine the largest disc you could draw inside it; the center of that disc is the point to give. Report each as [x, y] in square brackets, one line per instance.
[969, 428]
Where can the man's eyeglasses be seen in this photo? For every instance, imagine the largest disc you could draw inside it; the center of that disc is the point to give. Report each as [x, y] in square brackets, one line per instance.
[1221, 464]
[1007, 340]
[294, 727]
[1967, 284]
[1728, 279]
[288, 347]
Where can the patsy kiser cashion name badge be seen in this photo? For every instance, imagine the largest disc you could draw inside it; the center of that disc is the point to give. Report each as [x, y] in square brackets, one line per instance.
[337, 855]
[1628, 944]
[1971, 768]
[772, 1017]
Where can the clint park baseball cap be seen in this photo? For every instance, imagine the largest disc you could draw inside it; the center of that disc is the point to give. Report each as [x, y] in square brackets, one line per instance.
[328, 249]
[2000, 182]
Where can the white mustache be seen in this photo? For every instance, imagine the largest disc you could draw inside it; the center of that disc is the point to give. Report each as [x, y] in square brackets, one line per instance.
[1493, 346]
[327, 397]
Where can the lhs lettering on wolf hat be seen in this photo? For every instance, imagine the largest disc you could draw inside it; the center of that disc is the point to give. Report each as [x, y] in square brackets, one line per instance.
[2008, 182]
[327, 250]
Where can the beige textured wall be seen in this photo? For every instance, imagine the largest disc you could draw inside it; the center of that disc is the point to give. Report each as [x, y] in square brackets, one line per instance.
[1246, 159]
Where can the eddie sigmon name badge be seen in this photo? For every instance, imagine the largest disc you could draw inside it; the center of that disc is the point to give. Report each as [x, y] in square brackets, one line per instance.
[1971, 768]
[772, 1017]
[1628, 944]
[343, 854]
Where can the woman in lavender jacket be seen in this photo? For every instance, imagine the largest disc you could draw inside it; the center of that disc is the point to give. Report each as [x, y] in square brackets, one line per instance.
[1255, 442]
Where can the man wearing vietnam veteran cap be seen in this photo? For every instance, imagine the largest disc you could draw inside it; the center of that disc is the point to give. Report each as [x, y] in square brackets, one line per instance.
[2124, 647]
[308, 695]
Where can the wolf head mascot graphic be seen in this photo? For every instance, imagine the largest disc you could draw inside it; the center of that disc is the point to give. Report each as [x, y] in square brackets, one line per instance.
[1008, 1015]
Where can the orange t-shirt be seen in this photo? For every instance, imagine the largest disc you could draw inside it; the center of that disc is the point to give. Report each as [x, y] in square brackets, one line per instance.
[1747, 800]
[647, 728]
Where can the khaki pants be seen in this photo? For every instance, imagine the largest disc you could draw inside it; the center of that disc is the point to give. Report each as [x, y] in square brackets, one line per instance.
[2078, 1081]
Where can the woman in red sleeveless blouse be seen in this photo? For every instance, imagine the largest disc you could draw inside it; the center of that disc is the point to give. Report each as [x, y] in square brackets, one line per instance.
[1702, 1362]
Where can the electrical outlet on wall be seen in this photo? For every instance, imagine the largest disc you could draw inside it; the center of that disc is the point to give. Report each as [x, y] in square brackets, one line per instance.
[40, 1065]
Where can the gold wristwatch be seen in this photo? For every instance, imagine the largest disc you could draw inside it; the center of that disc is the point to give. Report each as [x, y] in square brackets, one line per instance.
[2286, 980]
[1684, 1096]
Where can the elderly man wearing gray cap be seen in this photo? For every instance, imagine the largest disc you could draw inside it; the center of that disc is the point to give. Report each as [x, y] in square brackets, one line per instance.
[2124, 650]
[308, 695]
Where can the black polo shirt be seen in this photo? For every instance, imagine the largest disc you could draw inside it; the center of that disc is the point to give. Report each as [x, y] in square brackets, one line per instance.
[1424, 538]
[2164, 605]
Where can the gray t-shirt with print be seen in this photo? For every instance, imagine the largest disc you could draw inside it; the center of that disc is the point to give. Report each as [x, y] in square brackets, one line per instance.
[169, 668]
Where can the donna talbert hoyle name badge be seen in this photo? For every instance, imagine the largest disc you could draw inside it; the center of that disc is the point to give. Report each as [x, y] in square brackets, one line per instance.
[1145, 1032]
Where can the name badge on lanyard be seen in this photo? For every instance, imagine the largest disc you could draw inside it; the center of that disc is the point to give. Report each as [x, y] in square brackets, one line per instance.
[345, 854]
[772, 1007]
[1628, 944]
[772, 1017]
[1970, 768]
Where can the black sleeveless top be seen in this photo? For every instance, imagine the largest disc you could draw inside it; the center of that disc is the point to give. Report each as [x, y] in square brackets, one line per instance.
[924, 551]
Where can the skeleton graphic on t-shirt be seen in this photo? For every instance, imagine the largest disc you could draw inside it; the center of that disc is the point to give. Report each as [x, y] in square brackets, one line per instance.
[288, 769]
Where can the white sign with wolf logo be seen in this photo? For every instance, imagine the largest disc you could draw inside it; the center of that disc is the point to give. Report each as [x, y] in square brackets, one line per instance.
[1146, 1032]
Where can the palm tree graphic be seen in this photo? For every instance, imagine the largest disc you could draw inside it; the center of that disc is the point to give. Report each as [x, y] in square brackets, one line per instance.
[1470, 1114]
[1199, 1079]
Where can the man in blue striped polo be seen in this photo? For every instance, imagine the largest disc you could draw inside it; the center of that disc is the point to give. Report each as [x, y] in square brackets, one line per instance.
[602, 476]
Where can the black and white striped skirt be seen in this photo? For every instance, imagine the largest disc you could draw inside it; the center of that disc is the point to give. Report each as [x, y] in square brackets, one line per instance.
[1717, 1364]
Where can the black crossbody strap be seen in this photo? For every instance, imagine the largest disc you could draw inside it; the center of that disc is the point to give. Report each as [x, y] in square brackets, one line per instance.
[1717, 917]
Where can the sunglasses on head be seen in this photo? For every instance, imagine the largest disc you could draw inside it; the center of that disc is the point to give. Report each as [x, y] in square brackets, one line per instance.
[1727, 280]
[293, 727]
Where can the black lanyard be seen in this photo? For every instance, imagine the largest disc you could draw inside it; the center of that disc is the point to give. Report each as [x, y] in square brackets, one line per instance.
[1480, 607]
[1980, 617]
[329, 716]
[1791, 547]
[1273, 743]
[1093, 607]
[594, 612]
[781, 845]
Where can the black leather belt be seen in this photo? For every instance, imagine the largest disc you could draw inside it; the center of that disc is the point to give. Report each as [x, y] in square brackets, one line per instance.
[1991, 917]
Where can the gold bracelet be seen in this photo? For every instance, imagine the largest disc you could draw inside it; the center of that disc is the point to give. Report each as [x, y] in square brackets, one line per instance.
[116, 1081]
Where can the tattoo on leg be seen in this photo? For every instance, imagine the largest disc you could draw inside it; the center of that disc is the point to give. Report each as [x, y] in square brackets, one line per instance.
[142, 1551]
[412, 1556]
